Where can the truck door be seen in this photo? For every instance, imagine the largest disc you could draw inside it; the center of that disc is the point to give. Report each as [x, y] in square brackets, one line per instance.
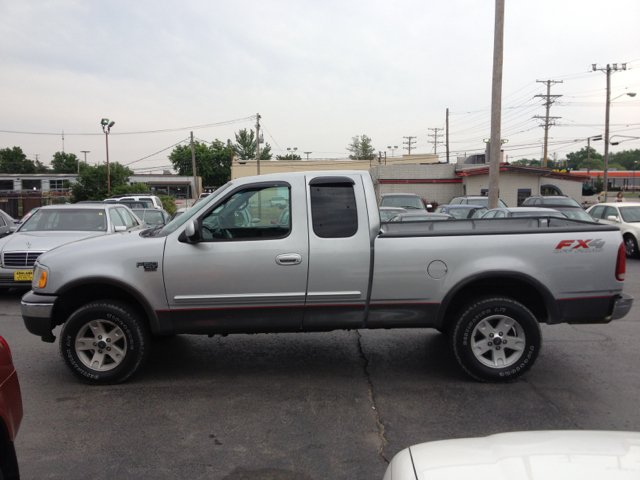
[339, 253]
[248, 272]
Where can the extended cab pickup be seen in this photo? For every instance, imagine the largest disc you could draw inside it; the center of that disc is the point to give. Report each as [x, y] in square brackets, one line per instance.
[234, 264]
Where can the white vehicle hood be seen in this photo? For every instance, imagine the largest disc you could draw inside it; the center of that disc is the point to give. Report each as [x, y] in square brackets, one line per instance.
[561, 455]
[42, 241]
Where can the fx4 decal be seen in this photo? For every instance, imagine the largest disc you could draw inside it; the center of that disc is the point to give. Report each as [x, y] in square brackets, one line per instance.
[580, 246]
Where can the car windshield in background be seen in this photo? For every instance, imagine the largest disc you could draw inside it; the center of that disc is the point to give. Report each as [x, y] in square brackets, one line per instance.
[462, 212]
[66, 219]
[403, 202]
[484, 202]
[536, 214]
[577, 214]
[386, 215]
[569, 202]
[150, 216]
[630, 214]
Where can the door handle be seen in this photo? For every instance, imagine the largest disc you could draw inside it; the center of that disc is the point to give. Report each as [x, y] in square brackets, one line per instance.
[289, 259]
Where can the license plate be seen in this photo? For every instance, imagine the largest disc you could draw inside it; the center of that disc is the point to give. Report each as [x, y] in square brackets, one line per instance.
[23, 275]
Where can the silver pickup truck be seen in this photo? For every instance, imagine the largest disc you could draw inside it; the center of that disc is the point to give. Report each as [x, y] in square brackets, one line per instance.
[321, 260]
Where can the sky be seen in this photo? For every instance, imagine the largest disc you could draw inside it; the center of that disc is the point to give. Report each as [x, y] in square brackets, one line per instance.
[318, 73]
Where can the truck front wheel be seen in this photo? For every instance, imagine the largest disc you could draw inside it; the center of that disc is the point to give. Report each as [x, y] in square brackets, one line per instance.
[104, 342]
[496, 339]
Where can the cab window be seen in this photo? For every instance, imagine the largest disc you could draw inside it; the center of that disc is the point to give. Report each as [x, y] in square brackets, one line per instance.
[253, 213]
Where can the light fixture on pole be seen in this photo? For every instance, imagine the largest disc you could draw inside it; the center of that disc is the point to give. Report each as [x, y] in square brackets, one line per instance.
[106, 128]
[595, 138]
[292, 151]
[393, 150]
[623, 136]
[307, 154]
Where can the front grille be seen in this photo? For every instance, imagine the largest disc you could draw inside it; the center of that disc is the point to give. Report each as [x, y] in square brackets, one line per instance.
[20, 259]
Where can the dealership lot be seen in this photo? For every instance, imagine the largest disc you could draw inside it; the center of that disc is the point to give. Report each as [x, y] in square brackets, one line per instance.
[307, 406]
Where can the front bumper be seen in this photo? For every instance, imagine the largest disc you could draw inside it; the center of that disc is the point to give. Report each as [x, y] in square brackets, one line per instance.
[7, 281]
[37, 315]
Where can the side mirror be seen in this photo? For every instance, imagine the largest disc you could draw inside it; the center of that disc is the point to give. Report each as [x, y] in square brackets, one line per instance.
[191, 233]
[613, 218]
[120, 228]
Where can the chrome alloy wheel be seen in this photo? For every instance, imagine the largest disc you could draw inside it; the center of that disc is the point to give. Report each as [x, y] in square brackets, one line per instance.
[498, 341]
[630, 246]
[101, 345]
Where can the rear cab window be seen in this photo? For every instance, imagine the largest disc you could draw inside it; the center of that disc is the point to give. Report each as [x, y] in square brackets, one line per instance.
[333, 207]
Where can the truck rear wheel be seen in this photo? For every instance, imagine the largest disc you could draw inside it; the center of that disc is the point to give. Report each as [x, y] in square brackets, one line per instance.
[496, 339]
[104, 342]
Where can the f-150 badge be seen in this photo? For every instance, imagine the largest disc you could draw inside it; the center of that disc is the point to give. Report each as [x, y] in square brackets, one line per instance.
[580, 246]
[148, 266]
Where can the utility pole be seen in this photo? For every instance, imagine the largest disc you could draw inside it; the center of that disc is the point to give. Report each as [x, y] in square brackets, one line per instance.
[62, 141]
[409, 141]
[496, 106]
[435, 139]
[379, 157]
[550, 99]
[85, 155]
[307, 154]
[193, 165]
[106, 128]
[608, 70]
[258, 141]
[447, 135]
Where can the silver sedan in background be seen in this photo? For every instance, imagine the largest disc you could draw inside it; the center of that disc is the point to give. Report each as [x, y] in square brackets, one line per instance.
[55, 225]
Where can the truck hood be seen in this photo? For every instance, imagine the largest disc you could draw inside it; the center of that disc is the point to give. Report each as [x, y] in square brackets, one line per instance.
[42, 241]
[541, 455]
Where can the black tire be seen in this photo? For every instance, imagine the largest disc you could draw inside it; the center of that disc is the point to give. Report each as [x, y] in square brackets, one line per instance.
[496, 320]
[120, 337]
[631, 246]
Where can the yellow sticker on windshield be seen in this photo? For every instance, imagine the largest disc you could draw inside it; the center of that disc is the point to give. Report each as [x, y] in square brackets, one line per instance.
[99, 213]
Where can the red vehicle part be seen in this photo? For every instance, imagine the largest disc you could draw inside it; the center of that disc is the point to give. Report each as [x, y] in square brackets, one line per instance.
[10, 412]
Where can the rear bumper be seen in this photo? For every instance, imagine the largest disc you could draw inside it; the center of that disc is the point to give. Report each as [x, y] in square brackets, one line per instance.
[37, 315]
[591, 310]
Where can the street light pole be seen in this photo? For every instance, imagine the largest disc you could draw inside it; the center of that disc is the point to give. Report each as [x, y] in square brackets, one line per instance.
[85, 158]
[307, 154]
[393, 150]
[608, 70]
[106, 128]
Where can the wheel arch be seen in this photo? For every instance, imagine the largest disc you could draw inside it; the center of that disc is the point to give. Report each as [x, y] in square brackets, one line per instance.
[520, 287]
[82, 291]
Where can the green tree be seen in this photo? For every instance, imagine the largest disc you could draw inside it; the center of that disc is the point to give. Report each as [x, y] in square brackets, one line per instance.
[361, 148]
[626, 158]
[92, 181]
[289, 156]
[127, 189]
[13, 160]
[41, 167]
[213, 162]
[64, 162]
[593, 164]
[245, 146]
[575, 159]
[525, 162]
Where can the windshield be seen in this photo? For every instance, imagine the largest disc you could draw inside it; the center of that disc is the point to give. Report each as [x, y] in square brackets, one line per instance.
[484, 202]
[630, 214]
[569, 202]
[386, 215]
[404, 201]
[66, 219]
[545, 213]
[174, 224]
[577, 214]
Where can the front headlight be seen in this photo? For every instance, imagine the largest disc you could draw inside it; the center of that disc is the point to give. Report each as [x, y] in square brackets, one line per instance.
[40, 277]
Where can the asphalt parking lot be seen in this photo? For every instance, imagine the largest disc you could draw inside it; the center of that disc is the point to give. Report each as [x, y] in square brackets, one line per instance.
[333, 405]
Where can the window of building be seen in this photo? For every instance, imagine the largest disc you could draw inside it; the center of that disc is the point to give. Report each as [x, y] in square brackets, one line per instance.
[56, 184]
[6, 184]
[523, 194]
[31, 184]
[333, 207]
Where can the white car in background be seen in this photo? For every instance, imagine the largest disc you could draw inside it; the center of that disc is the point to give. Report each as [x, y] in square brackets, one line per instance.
[624, 215]
[544, 455]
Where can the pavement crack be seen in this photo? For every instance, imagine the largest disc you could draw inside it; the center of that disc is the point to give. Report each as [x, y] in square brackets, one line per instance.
[550, 402]
[372, 398]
